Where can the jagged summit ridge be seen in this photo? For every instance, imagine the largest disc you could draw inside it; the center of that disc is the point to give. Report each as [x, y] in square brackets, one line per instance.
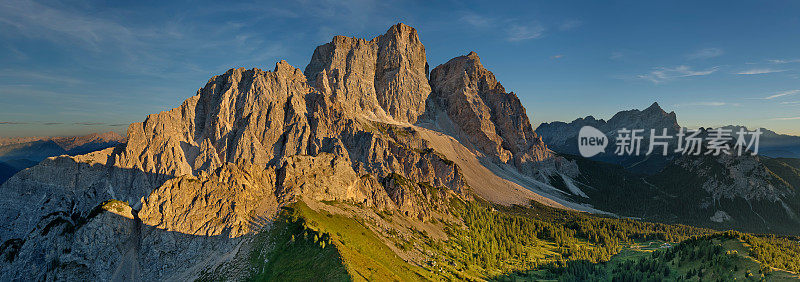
[486, 115]
[251, 141]
[385, 78]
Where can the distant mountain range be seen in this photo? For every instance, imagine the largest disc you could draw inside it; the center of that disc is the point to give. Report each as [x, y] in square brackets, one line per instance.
[773, 144]
[754, 193]
[374, 163]
[563, 137]
[18, 153]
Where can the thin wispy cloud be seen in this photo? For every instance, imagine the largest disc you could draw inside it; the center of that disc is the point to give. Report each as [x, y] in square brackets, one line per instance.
[22, 75]
[707, 104]
[476, 20]
[33, 20]
[515, 29]
[791, 103]
[517, 32]
[570, 25]
[18, 54]
[782, 94]
[59, 123]
[126, 44]
[759, 71]
[784, 61]
[787, 118]
[663, 74]
[706, 53]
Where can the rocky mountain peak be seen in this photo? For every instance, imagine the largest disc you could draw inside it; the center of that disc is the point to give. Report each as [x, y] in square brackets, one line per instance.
[251, 141]
[401, 32]
[653, 117]
[655, 106]
[493, 121]
[476, 76]
[384, 78]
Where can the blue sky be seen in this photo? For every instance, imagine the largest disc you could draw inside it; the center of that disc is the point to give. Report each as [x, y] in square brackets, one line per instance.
[70, 68]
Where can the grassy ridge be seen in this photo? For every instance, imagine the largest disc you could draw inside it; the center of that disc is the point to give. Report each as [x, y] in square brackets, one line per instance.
[291, 249]
[364, 255]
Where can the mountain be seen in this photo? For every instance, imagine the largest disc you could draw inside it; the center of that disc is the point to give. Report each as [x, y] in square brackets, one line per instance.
[364, 165]
[384, 78]
[79, 145]
[18, 153]
[751, 193]
[772, 144]
[483, 115]
[253, 141]
[563, 137]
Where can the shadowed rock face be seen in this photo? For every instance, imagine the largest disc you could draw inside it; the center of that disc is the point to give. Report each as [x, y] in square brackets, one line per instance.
[492, 120]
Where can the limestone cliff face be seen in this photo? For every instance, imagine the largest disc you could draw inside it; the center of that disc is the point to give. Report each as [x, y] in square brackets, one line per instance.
[384, 78]
[227, 202]
[493, 120]
[243, 116]
[250, 141]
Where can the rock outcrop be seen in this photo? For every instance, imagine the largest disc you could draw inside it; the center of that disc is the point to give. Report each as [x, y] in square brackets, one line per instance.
[218, 167]
[384, 78]
[492, 120]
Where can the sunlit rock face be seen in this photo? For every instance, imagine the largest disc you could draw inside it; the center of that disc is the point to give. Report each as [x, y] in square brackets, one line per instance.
[470, 104]
[384, 78]
[193, 181]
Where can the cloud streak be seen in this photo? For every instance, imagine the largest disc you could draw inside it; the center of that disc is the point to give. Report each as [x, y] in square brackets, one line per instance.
[20, 75]
[786, 118]
[663, 74]
[515, 30]
[759, 71]
[783, 61]
[706, 104]
[782, 94]
[476, 20]
[570, 25]
[706, 53]
[518, 32]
